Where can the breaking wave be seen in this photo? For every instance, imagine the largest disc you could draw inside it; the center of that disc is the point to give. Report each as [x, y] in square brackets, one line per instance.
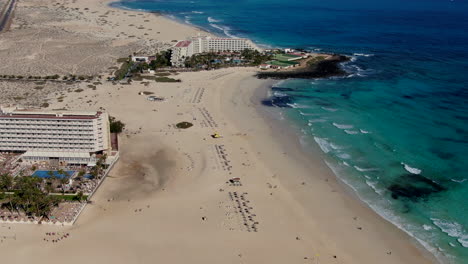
[212, 20]
[411, 169]
[453, 229]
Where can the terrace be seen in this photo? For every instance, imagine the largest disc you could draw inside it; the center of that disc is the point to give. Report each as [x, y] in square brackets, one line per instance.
[62, 192]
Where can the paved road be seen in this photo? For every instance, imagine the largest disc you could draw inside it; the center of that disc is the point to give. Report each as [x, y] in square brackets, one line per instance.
[5, 17]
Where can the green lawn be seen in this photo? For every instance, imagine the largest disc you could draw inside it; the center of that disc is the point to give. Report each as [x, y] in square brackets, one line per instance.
[285, 57]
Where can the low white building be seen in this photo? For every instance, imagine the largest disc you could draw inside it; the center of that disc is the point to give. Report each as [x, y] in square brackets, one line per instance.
[138, 58]
[58, 137]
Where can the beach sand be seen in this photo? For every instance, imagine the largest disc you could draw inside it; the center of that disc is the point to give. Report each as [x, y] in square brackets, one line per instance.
[168, 200]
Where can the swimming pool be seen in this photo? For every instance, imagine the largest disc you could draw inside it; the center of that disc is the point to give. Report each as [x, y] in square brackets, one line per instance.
[46, 174]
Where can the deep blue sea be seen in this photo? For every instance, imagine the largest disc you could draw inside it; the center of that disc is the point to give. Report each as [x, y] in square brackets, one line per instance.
[396, 128]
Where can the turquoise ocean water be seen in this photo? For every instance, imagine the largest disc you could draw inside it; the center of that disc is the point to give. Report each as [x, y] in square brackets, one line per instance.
[396, 128]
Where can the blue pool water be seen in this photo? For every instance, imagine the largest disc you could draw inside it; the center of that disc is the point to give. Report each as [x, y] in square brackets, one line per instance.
[45, 174]
[395, 129]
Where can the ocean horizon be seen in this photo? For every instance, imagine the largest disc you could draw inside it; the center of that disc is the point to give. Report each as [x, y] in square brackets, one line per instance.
[395, 129]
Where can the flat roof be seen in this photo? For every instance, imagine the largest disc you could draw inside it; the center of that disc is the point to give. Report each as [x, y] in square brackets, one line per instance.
[183, 44]
[38, 116]
[8, 113]
[65, 154]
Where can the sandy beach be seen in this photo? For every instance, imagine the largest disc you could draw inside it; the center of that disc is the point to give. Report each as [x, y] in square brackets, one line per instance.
[169, 199]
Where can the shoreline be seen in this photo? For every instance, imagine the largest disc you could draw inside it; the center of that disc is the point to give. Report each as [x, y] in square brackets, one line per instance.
[286, 136]
[168, 185]
[166, 16]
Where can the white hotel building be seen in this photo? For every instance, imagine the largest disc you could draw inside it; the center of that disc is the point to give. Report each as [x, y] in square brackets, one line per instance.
[56, 138]
[201, 44]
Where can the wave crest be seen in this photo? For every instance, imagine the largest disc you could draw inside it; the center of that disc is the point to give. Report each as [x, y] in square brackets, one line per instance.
[453, 229]
[212, 20]
[411, 169]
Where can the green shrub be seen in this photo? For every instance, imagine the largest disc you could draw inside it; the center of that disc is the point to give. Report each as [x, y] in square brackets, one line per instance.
[184, 125]
[166, 79]
[116, 126]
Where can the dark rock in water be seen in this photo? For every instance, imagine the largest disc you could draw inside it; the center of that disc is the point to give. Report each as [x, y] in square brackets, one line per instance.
[464, 118]
[454, 140]
[408, 97]
[346, 95]
[281, 89]
[278, 101]
[461, 131]
[326, 68]
[443, 155]
[414, 187]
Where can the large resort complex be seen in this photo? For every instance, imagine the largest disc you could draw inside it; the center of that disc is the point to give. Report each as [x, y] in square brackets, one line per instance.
[65, 155]
[201, 44]
[57, 138]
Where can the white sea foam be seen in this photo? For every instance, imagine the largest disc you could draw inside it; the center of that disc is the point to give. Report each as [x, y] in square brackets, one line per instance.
[373, 185]
[342, 126]
[459, 181]
[279, 83]
[411, 169]
[329, 109]
[346, 164]
[317, 120]
[324, 145]
[365, 169]
[308, 114]
[355, 70]
[279, 94]
[212, 20]
[343, 155]
[351, 132]
[225, 29]
[390, 215]
[364, 131]
[453, 229]
[452, 244]
[301, 106]
[334, 146]
[427, 227]
[197, 12]
[363, 54]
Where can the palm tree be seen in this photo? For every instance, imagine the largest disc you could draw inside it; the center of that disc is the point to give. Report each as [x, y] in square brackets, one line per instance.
[6, 182]
[51, 174]
[80, 196]
[49, 188]
[63, 181]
